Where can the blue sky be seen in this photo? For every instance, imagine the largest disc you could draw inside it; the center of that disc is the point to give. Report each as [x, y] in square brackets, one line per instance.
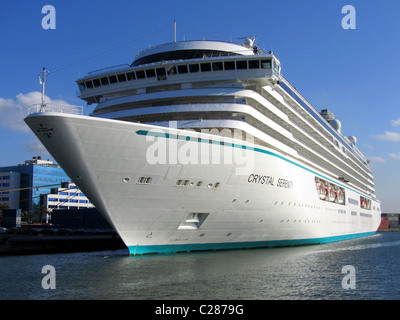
[353, 73]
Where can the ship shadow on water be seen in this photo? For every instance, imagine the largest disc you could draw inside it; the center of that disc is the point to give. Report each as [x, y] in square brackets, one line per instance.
[302, 272]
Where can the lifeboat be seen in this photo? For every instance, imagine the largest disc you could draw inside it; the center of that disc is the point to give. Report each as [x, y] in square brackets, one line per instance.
[340, 197]
[332, 194]
[322, 191]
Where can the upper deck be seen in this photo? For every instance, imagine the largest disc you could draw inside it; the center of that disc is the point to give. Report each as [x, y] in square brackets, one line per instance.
[179, 62]
[186, 50]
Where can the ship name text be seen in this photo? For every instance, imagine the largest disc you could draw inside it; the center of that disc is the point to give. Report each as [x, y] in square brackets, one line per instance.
[270, 180]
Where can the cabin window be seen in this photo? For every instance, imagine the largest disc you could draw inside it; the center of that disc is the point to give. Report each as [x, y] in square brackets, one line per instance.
[113, 79]
[172, 70]
[229, 65]
[276, 66]
[140, 74]
[241, 64]
[150, 73]
[254, 64]
[96, 82]
[266, 64]
[104, 81]
[161, 74]
[217, 66]
[89, 84]
[160, 71]
[121, 77]
[130, 76]
[205, 67]
[183, 68]
[194, 68]
[81, 87]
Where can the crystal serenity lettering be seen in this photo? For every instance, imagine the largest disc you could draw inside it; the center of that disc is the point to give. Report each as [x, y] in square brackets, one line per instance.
[270, 180]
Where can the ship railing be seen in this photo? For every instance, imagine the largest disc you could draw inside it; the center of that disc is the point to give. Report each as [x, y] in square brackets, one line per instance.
[343, 139]
[55, 108]
[109, 69]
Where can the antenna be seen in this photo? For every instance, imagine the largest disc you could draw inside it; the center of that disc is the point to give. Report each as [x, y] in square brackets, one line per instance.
[174, 30]
[42, 81]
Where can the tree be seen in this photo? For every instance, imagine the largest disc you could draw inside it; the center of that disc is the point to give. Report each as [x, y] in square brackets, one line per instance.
[26, 216]
[3, 206]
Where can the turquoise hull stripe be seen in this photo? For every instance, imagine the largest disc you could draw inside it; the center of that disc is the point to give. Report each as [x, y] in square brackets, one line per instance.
[175, 248]
[240, 146]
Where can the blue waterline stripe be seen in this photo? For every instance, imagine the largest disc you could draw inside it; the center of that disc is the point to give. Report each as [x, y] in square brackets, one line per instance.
[209, 141]
[176, 248]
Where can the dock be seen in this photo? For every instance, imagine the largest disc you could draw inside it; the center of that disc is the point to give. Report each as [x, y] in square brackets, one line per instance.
[24, 244]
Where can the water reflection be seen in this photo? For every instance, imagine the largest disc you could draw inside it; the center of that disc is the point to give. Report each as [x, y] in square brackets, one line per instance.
[310, 272]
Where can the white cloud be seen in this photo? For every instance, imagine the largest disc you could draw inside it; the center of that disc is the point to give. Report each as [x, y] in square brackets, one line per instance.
[395, 123]
[390, 136]
[13, 111]
[36, 147]
[395, 155]
[377, 159]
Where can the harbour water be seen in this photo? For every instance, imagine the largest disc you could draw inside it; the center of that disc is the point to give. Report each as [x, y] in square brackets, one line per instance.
[307, 273]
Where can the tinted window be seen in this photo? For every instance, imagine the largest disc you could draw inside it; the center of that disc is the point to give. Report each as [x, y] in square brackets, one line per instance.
[242, 64]
[113, 79]
[181, 55]
[104, 81]
[205, 67]
[140, 74]
[122, 78]
[150, 73]
[266, 64]
[194, 68]
[96, 82]
[254, 64]
[182, 69]
[229, 65]
[160, 71]
[217, 66]
[131, 76]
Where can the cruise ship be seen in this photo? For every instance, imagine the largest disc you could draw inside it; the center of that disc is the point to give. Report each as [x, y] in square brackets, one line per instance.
[204, 145]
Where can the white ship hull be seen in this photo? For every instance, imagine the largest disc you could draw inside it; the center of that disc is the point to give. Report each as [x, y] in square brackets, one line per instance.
[177, 207]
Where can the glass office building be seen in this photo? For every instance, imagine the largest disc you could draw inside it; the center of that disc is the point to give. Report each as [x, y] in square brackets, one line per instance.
[36, 177]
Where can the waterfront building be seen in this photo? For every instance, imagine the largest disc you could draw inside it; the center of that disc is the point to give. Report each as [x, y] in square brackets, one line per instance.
[9, 180]
[21, 186]
[65, 198]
